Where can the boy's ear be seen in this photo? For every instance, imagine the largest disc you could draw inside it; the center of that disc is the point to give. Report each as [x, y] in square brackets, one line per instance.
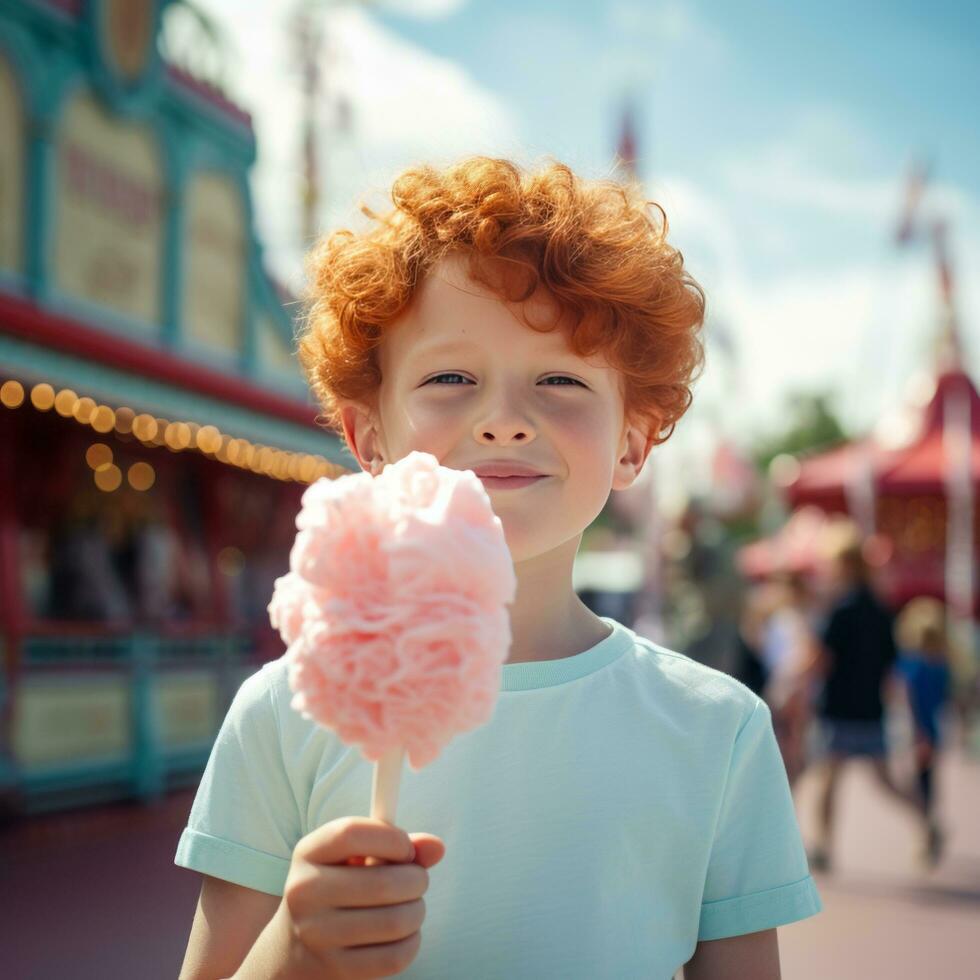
[634, 448]
[361, 433]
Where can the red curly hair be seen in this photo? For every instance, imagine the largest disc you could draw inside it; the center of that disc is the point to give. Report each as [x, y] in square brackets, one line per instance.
[594, 245]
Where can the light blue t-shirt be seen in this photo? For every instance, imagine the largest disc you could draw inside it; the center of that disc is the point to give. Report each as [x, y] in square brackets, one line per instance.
[620, 806]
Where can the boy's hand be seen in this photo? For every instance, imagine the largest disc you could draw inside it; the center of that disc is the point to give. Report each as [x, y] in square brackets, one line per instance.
[345, 916]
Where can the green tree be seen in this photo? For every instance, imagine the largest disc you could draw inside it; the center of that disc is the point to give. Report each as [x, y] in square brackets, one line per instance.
[810, 425]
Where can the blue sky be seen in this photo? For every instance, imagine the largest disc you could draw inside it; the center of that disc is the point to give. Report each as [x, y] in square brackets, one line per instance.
[721, 75]
[778, 137]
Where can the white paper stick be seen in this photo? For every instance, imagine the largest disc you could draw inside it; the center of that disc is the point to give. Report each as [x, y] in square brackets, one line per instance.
[387, 778]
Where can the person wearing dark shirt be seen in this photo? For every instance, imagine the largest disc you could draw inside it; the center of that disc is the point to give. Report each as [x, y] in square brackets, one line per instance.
[857, 655]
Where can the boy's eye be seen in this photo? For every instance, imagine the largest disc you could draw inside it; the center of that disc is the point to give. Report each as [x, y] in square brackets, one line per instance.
[554, 377]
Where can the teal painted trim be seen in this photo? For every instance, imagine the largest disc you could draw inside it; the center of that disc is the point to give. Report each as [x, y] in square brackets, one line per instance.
[220, 360]
[27, 62]
[43, 190]
[253, 277]
[148, 769]
[19, 49]
[249, 359]
[144, 394]
[131, 328]
[61, 777]
[201, 120]
[172, 278]
[286, 383]
[62, 74]
[47, 20]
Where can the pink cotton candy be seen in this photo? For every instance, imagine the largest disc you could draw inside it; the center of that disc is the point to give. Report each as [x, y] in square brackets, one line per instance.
[393, 610]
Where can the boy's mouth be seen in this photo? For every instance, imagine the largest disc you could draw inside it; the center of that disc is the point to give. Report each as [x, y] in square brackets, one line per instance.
[509, 482]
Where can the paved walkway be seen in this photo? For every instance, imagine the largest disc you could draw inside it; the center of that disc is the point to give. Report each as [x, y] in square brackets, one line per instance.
[94, 895]
[98, 896]
[884, 916]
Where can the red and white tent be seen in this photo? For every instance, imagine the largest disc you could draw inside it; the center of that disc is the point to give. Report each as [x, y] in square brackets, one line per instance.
[918, 497]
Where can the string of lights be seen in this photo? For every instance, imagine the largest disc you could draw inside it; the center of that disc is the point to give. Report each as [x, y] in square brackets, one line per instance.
[159, 433]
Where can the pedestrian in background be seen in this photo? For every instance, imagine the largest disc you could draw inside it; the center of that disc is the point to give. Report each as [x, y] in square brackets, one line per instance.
[747, 665]
[856, 656]
[924, 666]
[787, 653]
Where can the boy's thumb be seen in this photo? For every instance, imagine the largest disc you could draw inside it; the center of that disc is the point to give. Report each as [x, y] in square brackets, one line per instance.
[429, 849]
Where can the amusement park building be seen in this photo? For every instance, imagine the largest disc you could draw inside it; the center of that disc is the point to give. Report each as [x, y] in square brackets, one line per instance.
[155, 433]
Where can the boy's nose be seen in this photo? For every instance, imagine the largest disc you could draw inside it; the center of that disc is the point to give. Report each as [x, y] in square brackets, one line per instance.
[504, 432]
[501, 418]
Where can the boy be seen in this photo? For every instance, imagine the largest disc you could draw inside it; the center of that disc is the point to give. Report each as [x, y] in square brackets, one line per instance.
[625, 811]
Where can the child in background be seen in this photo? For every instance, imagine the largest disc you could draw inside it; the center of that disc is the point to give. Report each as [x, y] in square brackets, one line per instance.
[625, 812]
[787, 651]
[923, 664]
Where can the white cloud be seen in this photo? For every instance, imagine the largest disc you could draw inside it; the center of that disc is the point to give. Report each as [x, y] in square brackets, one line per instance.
[660, 26]
[423, 9]
[826, 301]
[648, 37]
[407, 105]
[854, 326]
[826, 161]
[411, 104]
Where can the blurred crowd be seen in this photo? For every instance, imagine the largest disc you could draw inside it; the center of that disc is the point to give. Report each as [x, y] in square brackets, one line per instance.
[848, 680]
[123, 562]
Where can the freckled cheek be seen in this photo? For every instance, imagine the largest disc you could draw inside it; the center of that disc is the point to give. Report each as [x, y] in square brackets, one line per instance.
[583, 429]
[588, 443]
[435, 427]
[426, 431]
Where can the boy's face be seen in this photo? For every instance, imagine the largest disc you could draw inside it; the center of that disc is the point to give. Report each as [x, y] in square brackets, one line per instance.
[463, 378]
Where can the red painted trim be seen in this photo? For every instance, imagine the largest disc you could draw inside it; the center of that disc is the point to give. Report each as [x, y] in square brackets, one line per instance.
[32, 323]
[204, 90]
[71, 7]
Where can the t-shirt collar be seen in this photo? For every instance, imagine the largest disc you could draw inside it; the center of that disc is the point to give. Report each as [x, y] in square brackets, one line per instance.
[549, 673]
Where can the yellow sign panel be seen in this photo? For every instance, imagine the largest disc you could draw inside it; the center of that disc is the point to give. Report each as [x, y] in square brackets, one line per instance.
[69, 719]
[11, 170]
[214, 263]
[188, 708]
[109, 225]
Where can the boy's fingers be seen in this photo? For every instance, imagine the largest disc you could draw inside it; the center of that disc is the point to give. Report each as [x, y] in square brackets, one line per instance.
[429, 849]
[339, 840]
[393, 884]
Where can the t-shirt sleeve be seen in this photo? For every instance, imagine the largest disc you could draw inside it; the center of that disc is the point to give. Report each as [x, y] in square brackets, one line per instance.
[245, 819]
[758, 877]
